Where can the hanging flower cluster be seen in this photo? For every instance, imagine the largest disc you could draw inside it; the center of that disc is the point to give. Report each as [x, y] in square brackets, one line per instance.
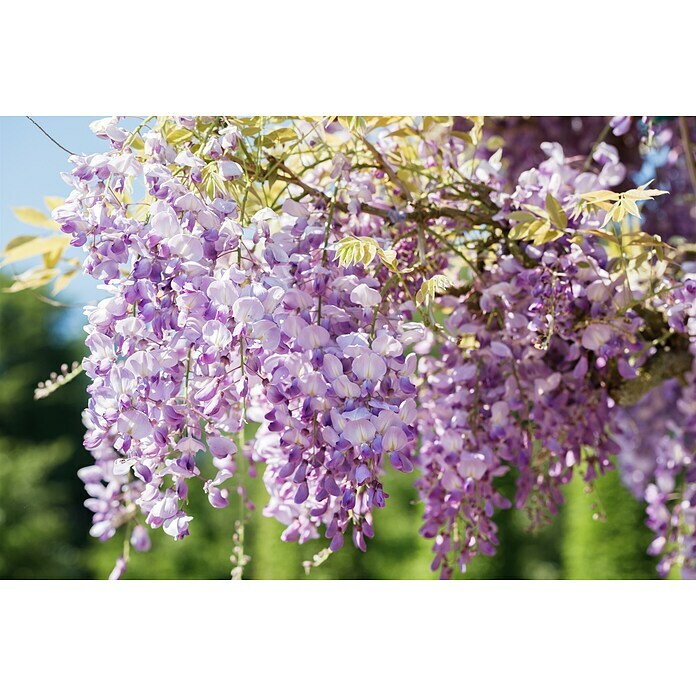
[371, 293]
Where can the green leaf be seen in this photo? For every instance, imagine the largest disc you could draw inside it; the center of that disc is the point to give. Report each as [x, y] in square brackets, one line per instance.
[521, 216]
[282, 135]
[178, 136]
[528, 231]
[556, 213]
[595, 233]
[539, 212]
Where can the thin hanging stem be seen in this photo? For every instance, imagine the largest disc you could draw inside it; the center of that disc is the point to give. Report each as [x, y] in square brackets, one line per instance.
[51, 138]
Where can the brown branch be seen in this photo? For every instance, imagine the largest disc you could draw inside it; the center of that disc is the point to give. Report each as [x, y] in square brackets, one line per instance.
[688, 151]
[393, 176]
[421, 212]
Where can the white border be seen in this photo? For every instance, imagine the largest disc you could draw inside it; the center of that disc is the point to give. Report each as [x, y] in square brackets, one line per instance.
[529, 57]
[284, 638]
[366, 57]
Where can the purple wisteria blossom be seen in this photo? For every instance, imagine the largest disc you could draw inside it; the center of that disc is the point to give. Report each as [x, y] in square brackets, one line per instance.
[421, 295]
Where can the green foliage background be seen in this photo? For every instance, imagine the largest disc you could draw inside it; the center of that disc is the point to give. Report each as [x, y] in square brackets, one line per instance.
[44, 526]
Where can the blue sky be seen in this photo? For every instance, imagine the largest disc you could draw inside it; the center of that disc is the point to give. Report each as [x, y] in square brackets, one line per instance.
[30, 167]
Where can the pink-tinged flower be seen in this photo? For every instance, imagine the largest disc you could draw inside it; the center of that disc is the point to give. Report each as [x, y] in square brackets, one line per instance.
[344, 388]
[189, 202]
[313, 384]
[119, 569]
[140, 539]
[387, 346]
[134, 423]
[177, 527]
[620, 125]
[359, 432]
[186, 246]
[365, 296]
[221, 447]
[595, 336]
[313, 337]
[229, 169]
[223, 292]
[217, 334]
[472, 465]
[394, 439]
[369, 366]
[247, 310]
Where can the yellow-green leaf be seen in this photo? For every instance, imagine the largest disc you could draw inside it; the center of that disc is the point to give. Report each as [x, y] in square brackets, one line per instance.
[19, 240]
[33, 278]
[556, 212]
[36, 218]
[34, 247]
[528, 231]
[388, 257]
[351, 250]
[282, 135]
[429, 288]
[642, 193]
[521, 216]
[178, 136]
[63, 280]
[602, 196]
[52, 202]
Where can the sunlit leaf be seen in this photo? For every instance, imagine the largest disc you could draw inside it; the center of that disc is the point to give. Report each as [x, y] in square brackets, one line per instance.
[63, 281]
[35, 218]
[34, 247]
[32, 279]
[52, 202]
[528, 231]
[556, 213]
[430, 288]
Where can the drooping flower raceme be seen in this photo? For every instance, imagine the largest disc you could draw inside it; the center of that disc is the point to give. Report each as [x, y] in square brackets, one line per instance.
[376, 293]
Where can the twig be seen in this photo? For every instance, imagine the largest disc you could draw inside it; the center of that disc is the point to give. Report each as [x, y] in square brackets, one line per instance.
[51, 138]
[688, 151]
